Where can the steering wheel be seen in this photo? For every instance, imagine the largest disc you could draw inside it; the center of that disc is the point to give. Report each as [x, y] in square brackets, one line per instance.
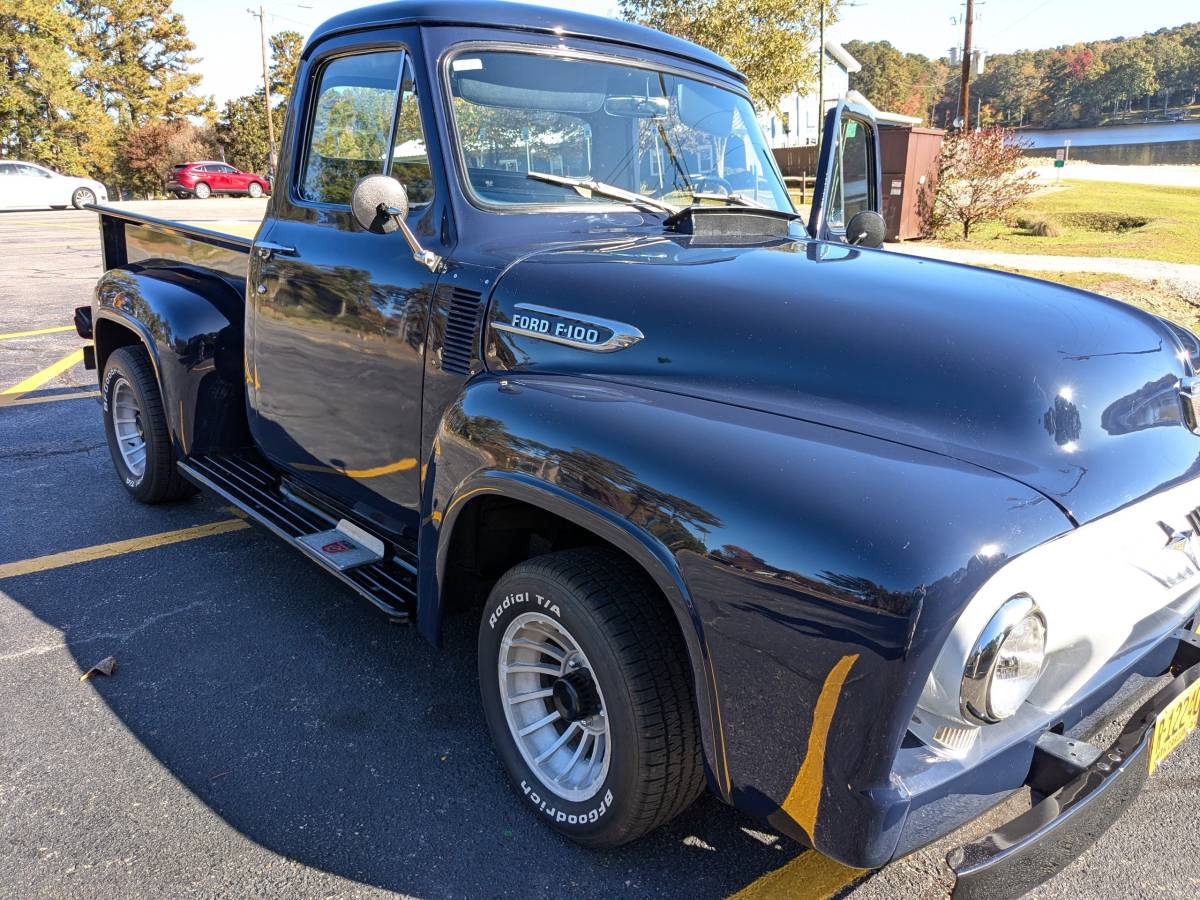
[712, 184]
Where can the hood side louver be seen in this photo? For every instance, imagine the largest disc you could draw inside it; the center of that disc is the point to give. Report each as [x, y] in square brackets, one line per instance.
[462, 331]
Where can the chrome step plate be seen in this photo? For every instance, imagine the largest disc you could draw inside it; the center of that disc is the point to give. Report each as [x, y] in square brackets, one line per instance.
[344, 547]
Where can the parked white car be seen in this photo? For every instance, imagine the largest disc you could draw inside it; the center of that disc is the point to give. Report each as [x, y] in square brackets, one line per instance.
[25, 184]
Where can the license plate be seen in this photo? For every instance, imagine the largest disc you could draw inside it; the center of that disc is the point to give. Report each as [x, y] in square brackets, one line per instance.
[1174, 724]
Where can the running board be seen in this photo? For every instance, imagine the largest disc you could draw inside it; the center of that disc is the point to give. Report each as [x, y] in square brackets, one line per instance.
[341, 547]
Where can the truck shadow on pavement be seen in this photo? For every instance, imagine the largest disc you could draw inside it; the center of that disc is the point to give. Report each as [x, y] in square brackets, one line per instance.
[320, 732]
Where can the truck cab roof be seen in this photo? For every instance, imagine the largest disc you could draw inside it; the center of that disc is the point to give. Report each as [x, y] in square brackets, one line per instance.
[520, 17]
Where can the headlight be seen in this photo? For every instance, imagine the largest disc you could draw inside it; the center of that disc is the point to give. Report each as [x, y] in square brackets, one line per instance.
[1005, 663]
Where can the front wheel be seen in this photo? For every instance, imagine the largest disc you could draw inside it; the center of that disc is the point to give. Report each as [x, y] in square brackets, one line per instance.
[587, 693]
[256, 190]
[202, 191]
[82, 197]
[136, 428]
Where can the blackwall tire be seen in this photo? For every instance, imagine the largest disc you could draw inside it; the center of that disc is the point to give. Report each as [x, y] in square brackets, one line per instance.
[628, 683]
[82, 197]
[136, 428]
[201, 191]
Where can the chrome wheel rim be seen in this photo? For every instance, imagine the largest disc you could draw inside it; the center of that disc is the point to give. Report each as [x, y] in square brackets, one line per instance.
[127, 427]
[83, 196]
[568, 748]
[202, 191]
[255, 191]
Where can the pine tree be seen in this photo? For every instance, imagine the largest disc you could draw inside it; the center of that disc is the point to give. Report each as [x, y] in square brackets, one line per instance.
[137, 60]
[44, 117]
[285, 60]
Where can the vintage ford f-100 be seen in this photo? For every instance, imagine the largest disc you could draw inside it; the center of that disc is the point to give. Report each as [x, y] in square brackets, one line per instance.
[531, 330]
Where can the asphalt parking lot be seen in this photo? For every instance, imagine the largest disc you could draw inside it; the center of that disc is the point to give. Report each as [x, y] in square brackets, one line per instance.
[266, 733]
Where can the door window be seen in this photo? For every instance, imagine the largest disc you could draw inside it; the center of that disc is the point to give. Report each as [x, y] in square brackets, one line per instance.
[853, 174]
[410, 158]
[351, 125]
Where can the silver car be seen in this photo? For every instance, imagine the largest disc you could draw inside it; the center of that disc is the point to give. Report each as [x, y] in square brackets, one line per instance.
[25, 184]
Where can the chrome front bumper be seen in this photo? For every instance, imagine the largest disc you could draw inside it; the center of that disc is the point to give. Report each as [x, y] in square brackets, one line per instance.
[1079, 791]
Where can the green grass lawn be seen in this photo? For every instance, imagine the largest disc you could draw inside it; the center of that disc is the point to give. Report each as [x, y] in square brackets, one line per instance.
[1087, 213]
[1153, 296]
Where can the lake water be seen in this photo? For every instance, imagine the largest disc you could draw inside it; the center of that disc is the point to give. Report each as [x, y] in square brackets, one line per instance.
[1148, 144]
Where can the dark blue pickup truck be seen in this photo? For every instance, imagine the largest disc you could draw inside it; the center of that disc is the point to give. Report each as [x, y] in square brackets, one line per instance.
[532, 332]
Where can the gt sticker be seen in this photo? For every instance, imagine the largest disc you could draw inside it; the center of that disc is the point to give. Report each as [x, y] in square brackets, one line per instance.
[511, 600]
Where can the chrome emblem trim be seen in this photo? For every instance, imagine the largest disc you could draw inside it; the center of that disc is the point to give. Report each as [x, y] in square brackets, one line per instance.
[560, 326]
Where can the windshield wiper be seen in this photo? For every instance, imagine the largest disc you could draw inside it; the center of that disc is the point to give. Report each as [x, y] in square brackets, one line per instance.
[605, 190]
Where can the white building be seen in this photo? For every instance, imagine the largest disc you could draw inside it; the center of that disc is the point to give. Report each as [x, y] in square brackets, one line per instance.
[794, 124]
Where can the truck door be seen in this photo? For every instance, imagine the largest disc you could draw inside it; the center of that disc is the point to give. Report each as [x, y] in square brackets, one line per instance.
[338, 315]
[848, 177]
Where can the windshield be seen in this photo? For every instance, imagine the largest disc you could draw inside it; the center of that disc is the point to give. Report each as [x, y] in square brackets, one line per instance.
[644, 131]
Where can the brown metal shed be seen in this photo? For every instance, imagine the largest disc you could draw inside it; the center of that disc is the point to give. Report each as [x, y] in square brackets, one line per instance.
[909, 158]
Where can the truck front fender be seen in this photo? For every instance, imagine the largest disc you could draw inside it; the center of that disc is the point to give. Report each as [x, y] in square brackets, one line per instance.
[190, 324]
[463, 468]
[815, 572]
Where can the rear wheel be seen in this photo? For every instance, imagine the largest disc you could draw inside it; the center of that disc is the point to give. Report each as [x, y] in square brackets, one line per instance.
[82, 197]
[587, 693]
[136, 428]
[202, 191]
[256, 190]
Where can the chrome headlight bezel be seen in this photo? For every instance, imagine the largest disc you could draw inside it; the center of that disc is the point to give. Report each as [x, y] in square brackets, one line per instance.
[975, 695]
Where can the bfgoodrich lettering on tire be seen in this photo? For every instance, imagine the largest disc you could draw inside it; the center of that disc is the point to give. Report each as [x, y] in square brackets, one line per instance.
[136, 428]
[588, 695]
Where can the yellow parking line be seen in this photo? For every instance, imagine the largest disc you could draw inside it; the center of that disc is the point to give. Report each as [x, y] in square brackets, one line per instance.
[35, 381]
[25, 401]
[117, 548]
[810, 876]
[21, 334]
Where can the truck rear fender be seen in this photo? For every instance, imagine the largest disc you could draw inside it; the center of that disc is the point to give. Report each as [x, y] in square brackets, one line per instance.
[190, 324]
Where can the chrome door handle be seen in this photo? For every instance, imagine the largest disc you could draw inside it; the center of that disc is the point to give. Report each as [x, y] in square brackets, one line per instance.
[266, 249]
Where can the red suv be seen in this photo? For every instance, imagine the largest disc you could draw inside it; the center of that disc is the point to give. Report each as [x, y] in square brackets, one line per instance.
[203, 179]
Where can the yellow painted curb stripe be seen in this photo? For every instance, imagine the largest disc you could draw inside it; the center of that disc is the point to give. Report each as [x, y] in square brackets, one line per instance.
[25, 401]
[402, 465]
[35, 381]
[805, 796]
[810, 876]
[36, 331]
[117, 548]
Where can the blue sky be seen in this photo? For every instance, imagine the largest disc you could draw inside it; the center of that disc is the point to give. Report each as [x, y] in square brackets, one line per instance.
[231, 65]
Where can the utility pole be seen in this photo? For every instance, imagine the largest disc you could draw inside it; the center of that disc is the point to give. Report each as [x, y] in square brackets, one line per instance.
[964, 91]
[262, 32]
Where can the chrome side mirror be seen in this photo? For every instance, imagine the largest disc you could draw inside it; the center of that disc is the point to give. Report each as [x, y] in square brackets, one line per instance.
[380, 205]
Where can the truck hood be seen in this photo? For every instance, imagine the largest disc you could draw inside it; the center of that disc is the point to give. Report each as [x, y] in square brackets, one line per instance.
[1073, 394]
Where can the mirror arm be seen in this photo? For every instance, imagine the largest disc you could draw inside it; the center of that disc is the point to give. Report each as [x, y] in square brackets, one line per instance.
[427, 258]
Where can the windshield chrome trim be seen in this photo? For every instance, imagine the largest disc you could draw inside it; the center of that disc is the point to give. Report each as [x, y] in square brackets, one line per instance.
[561, 50]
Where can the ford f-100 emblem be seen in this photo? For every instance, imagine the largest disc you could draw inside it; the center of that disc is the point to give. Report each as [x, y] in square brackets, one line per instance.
[571, 329]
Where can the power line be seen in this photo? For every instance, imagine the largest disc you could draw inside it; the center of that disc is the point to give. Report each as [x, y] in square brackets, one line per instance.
[1021, 19]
